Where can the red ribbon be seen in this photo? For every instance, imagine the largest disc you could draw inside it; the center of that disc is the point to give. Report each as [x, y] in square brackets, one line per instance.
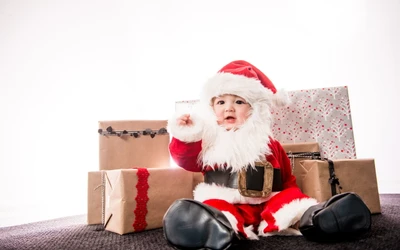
[142, 188]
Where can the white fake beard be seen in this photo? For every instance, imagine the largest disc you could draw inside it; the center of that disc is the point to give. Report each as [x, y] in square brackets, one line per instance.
[237, 148]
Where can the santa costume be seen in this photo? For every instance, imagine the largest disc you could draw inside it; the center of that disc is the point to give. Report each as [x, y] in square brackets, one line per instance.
[224, 156]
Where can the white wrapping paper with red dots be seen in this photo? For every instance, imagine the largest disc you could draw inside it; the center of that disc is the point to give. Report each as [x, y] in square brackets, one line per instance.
[319, 115]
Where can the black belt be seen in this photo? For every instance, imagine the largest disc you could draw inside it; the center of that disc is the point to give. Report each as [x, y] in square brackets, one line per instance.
[254, 177]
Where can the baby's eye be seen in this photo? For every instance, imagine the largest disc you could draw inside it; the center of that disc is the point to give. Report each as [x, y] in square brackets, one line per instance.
[240, 102]
[220, 102]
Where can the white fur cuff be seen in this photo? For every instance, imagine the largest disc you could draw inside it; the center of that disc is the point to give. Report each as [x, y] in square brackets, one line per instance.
[190, 133]
[290, 213]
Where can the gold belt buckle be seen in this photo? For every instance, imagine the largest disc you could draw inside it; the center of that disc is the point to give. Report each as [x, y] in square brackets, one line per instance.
[263, 178]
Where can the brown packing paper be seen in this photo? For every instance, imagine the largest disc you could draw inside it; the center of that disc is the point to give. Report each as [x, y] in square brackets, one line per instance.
[355, 175]
[95, 194]
[299, 148]
[165, 185]
[197, 179]
[124, 152]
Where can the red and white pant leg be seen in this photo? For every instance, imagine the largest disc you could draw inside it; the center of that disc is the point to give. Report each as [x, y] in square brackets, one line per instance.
[235, 217]
[284, 210]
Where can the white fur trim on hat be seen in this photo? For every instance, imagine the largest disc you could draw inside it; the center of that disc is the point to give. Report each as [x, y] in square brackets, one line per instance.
[248, 88]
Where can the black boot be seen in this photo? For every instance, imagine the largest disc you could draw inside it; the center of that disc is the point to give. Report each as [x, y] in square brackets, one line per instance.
[189, 224]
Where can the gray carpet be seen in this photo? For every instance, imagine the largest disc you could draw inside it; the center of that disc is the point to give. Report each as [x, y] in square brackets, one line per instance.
[73, 233]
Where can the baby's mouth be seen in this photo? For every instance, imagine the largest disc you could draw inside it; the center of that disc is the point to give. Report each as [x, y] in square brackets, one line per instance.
[230, 118]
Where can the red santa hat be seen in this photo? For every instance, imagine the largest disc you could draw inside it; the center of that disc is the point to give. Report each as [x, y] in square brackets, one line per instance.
[245, 80]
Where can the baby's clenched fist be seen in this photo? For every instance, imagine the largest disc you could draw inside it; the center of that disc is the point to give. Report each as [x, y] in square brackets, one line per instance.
[184, 120]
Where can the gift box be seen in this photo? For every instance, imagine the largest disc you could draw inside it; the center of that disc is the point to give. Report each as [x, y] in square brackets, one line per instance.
[321, 115]
[353, 175]
[95, 195]
[197, 178]
[298, 152]
[127, 144]
[137, 199]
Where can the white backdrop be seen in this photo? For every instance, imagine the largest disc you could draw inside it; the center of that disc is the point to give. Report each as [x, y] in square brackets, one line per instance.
[64, 65]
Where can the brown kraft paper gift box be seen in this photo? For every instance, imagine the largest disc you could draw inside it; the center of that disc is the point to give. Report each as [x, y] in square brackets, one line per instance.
[297, 148]
[355, 175]
[127, 151]
[198, 178]
[96, 192]
[137, 199]
[94, 198]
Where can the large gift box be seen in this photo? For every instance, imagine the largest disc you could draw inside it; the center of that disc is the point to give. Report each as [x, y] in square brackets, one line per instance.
[137, 199]
[298, 152]
[319, 115]
[354, 175]
[133, 143]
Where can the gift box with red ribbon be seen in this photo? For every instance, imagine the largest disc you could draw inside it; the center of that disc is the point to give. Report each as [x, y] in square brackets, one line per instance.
[137, 199]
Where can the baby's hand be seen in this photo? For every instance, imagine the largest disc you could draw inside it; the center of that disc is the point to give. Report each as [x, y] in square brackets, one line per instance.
[184, 120]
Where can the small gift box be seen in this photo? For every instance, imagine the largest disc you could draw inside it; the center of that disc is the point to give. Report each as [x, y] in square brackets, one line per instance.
[346, 175]
[298, 152]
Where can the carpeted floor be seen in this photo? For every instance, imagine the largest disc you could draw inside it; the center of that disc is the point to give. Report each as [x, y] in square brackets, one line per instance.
[73, 233]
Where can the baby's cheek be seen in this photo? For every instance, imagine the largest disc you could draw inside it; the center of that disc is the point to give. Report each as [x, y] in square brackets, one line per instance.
[219, 122]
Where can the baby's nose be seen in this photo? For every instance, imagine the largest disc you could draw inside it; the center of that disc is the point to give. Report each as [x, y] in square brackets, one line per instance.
[229, 108]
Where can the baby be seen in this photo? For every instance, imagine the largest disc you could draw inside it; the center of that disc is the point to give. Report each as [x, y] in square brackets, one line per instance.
[248, 181]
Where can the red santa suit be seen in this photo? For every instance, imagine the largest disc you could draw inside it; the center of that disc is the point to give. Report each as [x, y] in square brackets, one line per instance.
[205, 146]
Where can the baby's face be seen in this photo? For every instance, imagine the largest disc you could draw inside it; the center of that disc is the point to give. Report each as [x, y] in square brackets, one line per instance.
[231, 110]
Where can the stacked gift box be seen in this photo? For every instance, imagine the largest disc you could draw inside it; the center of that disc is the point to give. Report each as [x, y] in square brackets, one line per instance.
[314, 127]
[135, 184]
